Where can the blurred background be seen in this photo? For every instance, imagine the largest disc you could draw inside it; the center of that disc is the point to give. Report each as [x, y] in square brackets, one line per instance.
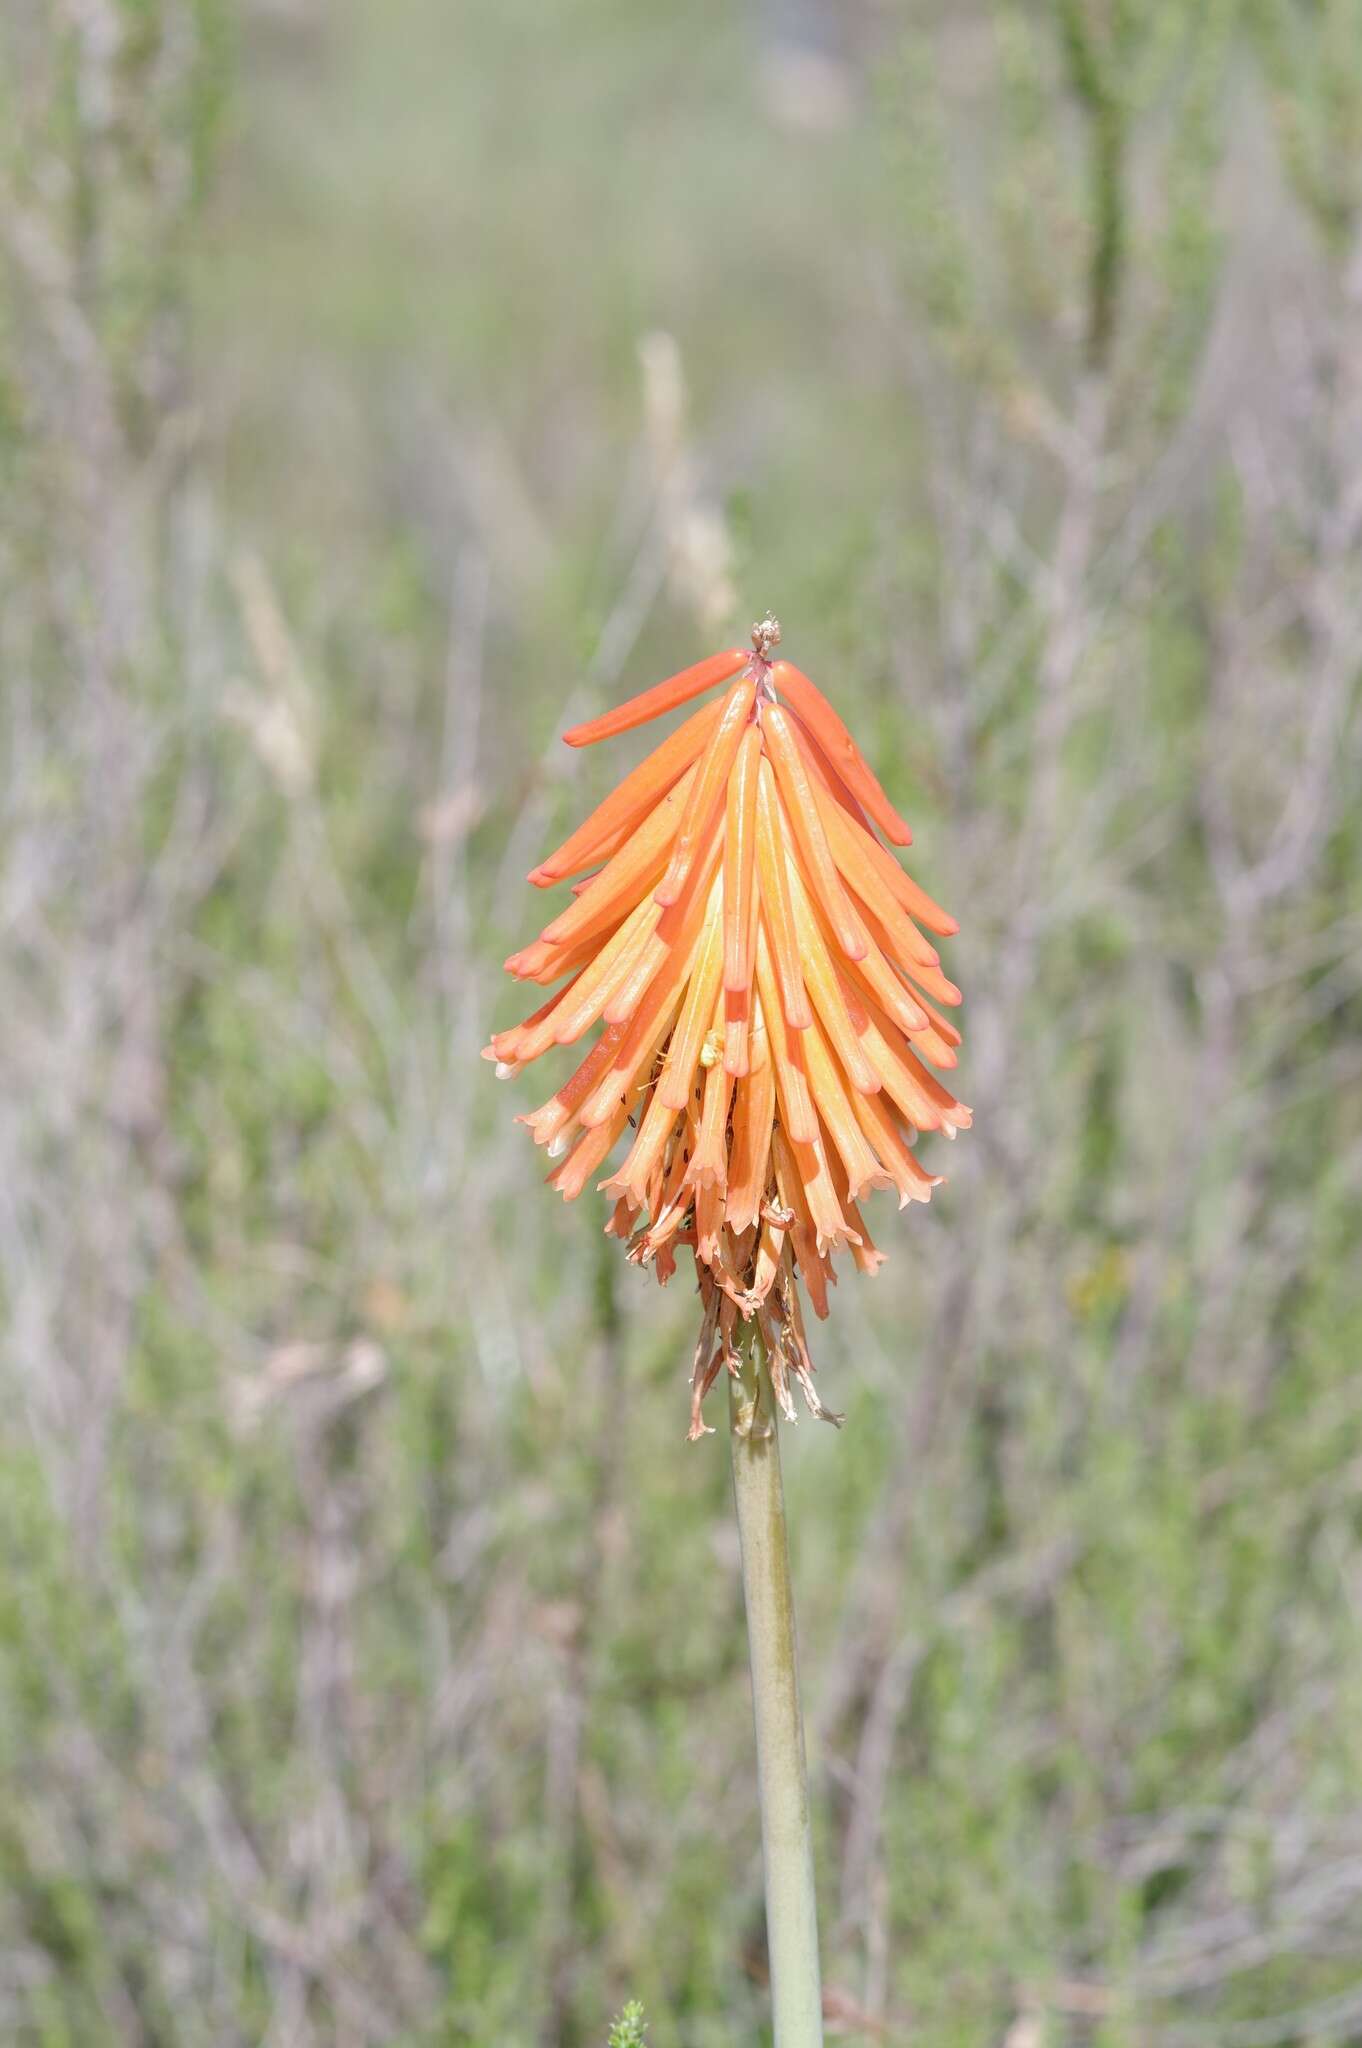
[384, 383]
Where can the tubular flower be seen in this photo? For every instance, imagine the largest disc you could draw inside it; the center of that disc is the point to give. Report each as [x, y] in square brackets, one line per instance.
[759, 965]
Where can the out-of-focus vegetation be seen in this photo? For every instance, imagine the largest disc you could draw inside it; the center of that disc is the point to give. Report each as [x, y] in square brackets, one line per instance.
[378, 383]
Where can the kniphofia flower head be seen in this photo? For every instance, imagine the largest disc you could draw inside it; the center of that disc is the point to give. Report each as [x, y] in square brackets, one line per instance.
[758, 964]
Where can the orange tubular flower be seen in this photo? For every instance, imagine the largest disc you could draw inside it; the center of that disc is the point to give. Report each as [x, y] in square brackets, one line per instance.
[757, 958]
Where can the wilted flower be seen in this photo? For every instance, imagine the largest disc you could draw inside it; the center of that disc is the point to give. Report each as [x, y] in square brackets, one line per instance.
[756, 956]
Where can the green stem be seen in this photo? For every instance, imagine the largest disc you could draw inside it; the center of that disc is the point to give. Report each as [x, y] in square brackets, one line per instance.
[786, 1838]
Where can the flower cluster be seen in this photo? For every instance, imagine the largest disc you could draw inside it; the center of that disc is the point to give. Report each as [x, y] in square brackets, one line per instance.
[757, 959]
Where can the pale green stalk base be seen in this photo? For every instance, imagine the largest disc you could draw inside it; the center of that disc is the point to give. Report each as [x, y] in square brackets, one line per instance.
[787, 1841]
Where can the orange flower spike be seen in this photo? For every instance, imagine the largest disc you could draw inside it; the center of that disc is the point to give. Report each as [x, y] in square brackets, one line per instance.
[756, 960]
[841, 749]
[801, 808]
[630, 803]
[740, 863]
[777, 914]
[663, 697]
[707, 791]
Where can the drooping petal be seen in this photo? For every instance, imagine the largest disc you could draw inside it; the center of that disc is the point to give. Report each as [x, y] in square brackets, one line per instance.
[922, 977]
[697, 1012]
[633, 1178]
[870, 887]
[914, 899]
[907, 1082]
[707, 791]
[591, 993]
[662, 996]
[629, 874]
[533, 1036]
[709, 1161]
[881, 1129]
[829, 1001]
[586, 1156]
[544, 962]
[754, 1104]
[840, 748]
[740, 863]
[776, 916]
[802, 812]
[554, 1116]
[675, 929]
[792, 1085]
[627, 806]
[662, 697]
[840, 1125]
[942, 1026]
[866, 1255]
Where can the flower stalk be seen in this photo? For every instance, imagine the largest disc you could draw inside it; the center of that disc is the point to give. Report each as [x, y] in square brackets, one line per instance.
[782, 1777]
[762, 973]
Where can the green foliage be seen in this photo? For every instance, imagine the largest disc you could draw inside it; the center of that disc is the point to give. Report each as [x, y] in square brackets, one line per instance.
[630, 2030]
[1310, 54]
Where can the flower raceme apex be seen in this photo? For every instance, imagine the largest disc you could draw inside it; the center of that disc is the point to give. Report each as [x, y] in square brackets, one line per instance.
[759, 965]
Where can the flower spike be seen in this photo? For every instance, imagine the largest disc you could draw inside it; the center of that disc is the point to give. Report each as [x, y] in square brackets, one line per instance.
[759, 965]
